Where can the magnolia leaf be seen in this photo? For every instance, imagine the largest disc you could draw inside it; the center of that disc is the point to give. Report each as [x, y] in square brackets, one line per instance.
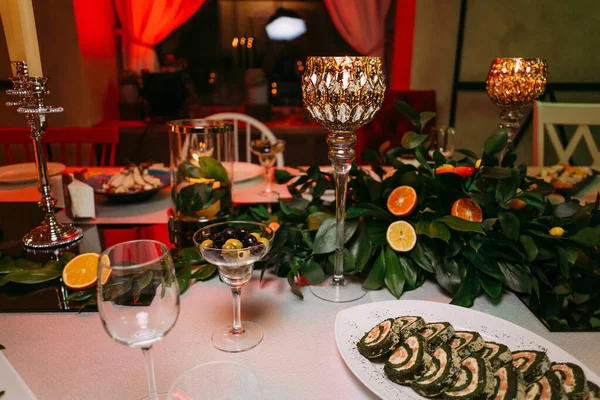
[488, 223]
[368, 210]
[313, 272]
[183, 278]
[315, 220]
[438, 158]
[482, 263]
[433, 229]
[422, 160]
[140, 283]
[475, 243]
[587, 237]
[459, 224]
[491, 286]
[509, 159]
[468, 289]
[204, 273]
[394, 276]
[409, 112]
[515, 277]
[66, 257]
[409, 270]
[377, 232]
[292, 283]
[360, 248]
[376, 278]
[529, 246]
[425, 117]
[326, 235]
[411, 139]
[282, 176]
[494, 172]
[453, 248]
[566, 209]
[369, 155]
[424, 256]
[468, 153]
[81, 295]
[349, 266]
[448, 275]
[510, 224]
[495, 143]
[32, 276]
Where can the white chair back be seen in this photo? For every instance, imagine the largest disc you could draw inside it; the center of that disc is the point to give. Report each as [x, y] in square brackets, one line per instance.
[265, 133]
[546, 115]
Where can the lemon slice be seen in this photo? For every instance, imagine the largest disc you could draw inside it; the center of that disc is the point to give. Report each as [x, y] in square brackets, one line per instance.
[82, 271]
[401, 236]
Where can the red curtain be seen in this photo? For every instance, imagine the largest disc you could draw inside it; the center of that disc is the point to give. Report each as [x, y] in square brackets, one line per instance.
[146, 23]
[361, 23]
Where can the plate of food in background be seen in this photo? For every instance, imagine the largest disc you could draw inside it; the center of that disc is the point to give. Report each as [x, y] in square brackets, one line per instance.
[132, 184]
[567, 179]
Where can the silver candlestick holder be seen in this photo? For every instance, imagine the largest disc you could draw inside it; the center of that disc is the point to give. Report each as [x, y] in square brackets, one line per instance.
[31, 90]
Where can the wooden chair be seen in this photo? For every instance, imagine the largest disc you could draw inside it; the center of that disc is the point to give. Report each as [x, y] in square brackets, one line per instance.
[547, 115]
[99, 139]
[249, 122]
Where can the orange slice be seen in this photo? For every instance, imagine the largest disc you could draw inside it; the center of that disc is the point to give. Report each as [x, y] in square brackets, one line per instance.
[467, 209]
[274, 225]
[402, 201]
[401, 236]
[82, 271]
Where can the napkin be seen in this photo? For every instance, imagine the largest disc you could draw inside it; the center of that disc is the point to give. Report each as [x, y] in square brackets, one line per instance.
[79, 198]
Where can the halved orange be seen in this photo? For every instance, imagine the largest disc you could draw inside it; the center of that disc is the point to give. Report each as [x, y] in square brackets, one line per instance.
[467, 209]
[401, 236]
[82, 271]
[402, 201]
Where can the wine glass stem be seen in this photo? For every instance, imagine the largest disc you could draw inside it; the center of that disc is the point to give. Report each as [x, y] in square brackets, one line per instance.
[510, 120]
[268, 178]
[237, 328]
[341, 154]
[149, 361]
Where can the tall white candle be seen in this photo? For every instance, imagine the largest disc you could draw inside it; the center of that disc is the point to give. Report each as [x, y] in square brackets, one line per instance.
[21, 35]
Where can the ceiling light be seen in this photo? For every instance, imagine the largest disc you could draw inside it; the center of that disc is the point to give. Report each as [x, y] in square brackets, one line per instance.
[285, 24]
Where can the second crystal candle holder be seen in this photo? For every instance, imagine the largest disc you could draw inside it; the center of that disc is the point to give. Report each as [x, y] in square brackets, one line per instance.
[342, 94]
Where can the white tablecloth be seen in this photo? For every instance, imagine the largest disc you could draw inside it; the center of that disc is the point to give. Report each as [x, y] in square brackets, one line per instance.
[68, 356]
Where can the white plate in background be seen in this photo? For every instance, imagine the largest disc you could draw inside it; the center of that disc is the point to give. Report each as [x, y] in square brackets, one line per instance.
[26, 172]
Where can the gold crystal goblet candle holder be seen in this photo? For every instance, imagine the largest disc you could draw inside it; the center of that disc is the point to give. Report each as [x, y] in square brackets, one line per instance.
[512, 84]
[32, 90]
[342, 94]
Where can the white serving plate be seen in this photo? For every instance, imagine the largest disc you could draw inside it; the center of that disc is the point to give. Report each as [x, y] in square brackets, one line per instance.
[26, 172]
[12, 384]
[244, 171]
[352, 323]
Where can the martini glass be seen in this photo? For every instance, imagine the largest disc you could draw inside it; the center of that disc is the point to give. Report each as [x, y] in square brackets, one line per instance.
[267, 152]
[235, 269]
[342, 94]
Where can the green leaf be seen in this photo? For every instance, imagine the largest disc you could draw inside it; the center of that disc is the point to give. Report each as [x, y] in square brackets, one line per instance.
[468, 289]
[411, 139]
[369, 155]
[81, 295]
[313, 272]
[491, 286]
[426, 116]
[292, 283]
[529, 246]
[183, 278]
[448, 274]
[211, 168]
[32, 276]
[204, 273]
[348, 261]
[117, 288]
[505, 190]
[377, 232]
[566, 209]
[515, 277]
[438, 158]
[325, 238]
[511, 226]
[360, 248]
[53, 264]
[495, 143]
[9, 268]
[424, 256]
[367, 210]
[475, 243]
[494, 172]
[394, 277]
[315, 220]
[459, 224]
[66, 257]
[433, 229]
[587, 237]
[376, 278]
[409, 112]
[2, 347]
[409, 270]
[422, 160]
[282, 176]
[468, 153]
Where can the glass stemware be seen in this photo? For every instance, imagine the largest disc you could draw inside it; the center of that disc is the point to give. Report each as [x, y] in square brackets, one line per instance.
[138, 297]
[442, 140]
[512, 84]
[267, 152]
[206, 381]
[235, 267]
[342, 94]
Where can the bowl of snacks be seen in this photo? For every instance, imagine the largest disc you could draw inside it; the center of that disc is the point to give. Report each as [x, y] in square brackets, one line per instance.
[133, 183]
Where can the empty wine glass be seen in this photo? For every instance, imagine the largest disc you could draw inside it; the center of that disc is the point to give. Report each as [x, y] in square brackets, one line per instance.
[205, 381]
[442, 140]
[235, 265]
[138, 297]
[267, 152]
